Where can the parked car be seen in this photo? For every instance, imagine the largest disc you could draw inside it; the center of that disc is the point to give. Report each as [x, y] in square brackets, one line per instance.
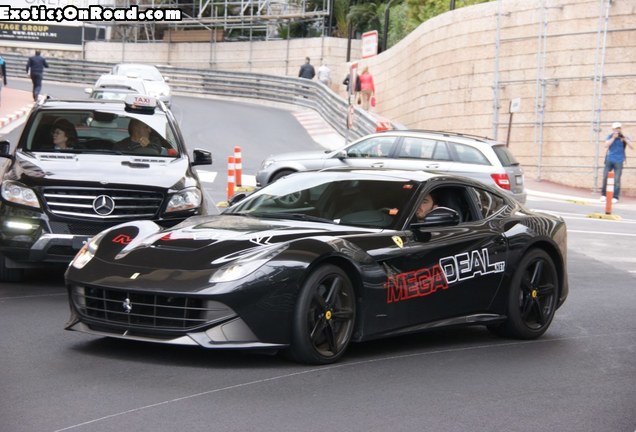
[317, 260]
[73, 174]
[116, 87]
[156, 84]
[480, 158]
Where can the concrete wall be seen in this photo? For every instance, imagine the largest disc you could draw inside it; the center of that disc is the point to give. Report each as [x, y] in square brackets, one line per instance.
[280, 57]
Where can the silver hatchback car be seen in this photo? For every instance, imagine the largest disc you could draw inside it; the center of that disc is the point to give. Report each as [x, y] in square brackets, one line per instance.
[476, 157]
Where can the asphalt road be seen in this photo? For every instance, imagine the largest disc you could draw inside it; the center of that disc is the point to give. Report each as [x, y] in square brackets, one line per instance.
[580, 376]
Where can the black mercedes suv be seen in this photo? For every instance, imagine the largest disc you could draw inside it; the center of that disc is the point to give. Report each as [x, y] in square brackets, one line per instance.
[82, 166]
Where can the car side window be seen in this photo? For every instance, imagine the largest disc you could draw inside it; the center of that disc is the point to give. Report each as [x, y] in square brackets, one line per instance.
[470, 155]
[371, 148]
[418, 148]
[488, 203]
[456, 198]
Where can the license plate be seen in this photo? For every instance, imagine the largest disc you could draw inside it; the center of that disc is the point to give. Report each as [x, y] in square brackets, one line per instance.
[519, 180]
[79, 241]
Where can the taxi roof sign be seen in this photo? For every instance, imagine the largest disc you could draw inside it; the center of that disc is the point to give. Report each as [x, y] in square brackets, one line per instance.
[141, 103]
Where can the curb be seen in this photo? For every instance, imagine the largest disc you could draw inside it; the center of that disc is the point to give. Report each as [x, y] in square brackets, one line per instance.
[604, 216]
[6, 121]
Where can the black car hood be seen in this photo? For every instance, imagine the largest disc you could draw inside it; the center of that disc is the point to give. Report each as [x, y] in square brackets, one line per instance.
[207, 242]
[147, 171]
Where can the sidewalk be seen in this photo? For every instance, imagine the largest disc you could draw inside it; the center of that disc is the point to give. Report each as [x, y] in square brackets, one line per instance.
[547, 189]
[14, 105]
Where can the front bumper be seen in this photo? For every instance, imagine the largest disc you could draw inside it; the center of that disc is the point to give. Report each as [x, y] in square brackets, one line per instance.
[222, 336]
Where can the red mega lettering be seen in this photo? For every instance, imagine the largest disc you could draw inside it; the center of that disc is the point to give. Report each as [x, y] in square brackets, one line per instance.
[416, 283]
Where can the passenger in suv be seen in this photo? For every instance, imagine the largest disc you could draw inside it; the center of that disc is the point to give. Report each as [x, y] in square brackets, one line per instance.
[479, 158]
[53, 198]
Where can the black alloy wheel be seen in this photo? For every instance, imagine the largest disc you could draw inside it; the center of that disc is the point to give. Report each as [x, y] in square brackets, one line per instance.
[533, 298]
[324, 317]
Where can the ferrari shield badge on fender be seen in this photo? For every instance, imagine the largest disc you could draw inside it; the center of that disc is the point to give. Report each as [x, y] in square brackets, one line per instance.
[398, 241]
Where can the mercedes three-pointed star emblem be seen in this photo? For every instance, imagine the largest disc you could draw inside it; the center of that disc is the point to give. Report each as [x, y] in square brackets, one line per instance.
[103, 205]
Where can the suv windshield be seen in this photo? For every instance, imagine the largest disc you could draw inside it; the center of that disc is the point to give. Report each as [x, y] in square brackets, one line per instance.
[88, 131]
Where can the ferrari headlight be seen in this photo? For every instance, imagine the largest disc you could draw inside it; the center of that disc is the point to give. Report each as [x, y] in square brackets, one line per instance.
[19, 194]
[245, 263]
[185, 200]
[87, 252]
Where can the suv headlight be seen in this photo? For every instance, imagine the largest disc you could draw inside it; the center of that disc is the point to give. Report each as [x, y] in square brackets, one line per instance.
[184, 200]
[17, 193]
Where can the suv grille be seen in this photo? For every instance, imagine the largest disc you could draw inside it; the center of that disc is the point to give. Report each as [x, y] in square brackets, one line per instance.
[146, 311]
[102, 204]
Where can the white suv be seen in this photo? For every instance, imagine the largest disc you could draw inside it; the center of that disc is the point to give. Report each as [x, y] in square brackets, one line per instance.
[480, 158]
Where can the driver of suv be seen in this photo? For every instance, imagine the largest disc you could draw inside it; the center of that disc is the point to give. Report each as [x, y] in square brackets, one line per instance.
[140, 140]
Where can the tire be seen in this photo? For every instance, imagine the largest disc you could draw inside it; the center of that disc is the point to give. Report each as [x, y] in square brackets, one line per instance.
[10, 274]
[532, 298]
[324, 317]
[281, 174]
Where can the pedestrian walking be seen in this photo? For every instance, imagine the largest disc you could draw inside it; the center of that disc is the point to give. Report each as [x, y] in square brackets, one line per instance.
[3, 75]
[356, 90]
[616, 144]
[35, 69]
[367, 87]
[307, 71]
[324, 74]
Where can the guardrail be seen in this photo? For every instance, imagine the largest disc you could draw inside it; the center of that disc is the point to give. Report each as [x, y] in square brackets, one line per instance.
[296, 91]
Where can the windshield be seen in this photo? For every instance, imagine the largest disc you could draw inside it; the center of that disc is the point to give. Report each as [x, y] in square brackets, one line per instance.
[149, 73]
[90, 131]
[366, 202]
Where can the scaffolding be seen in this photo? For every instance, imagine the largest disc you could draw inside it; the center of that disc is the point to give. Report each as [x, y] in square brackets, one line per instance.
[259, 19]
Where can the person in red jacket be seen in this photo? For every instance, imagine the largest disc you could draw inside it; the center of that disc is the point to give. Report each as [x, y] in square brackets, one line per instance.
[367, 88]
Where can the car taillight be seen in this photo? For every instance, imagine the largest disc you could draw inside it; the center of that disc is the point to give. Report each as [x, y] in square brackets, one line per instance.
[501, 180]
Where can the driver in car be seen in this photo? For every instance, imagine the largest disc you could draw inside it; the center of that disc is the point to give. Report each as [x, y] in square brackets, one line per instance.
[140, 140]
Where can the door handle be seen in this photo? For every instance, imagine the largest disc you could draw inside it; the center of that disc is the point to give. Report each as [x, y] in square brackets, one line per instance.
[377, 164]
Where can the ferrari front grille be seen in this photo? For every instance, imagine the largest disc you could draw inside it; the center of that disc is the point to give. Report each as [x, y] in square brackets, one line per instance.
[147, 311]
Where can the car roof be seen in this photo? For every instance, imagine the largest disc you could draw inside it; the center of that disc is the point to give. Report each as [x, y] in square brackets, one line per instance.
[84, 104]
[117, 81]
[456, 136]
[381, 173]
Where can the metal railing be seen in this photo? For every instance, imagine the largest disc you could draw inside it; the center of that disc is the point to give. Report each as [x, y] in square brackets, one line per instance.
[283, 89]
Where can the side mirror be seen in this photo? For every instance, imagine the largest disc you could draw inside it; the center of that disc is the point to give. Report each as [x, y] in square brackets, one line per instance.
[239, 196]
[342, 154]
[440, 216]
[201, 157]
[5, 149]
[88, 90]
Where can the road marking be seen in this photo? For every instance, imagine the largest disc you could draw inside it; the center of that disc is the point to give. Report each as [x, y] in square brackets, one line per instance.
[603, 233]
[206, 176]
[210, 177]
